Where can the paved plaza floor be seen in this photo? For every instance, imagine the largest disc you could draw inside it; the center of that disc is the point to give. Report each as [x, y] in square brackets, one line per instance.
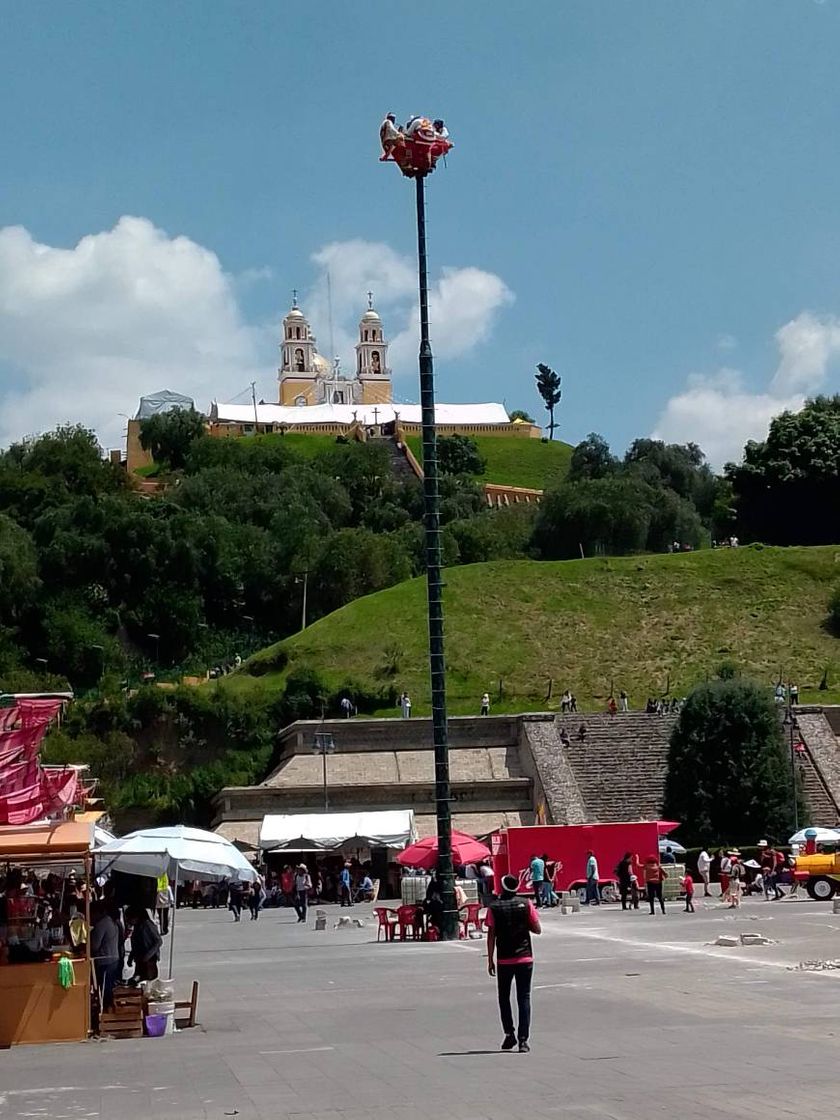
[634, 1017]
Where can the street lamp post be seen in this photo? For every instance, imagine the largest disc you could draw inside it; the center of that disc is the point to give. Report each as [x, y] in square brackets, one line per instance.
[324, 744]
[434, 585]
[791, 722]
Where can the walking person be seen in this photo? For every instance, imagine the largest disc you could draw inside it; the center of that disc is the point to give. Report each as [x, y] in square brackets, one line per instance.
[623, 701]
[510, 921]
[736, 880]
[688, 887]
[235, 900]
[303, 885]
[725, 869]
[704, 863]
[405, 705]
[593, 878]
[538, 879]
[345, 886]
[163, 903]
[485, 704]
[256, 899]
[655, 876]
[624, 875]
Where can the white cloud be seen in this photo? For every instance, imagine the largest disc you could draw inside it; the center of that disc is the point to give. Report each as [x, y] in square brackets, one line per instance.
[463, 303]
[726, 342]
[88, 330]
[720, 414]
[806, 346]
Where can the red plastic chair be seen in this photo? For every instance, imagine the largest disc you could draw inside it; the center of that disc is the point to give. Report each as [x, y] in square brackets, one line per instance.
[469, 917]
[408, 924]
[387, 922]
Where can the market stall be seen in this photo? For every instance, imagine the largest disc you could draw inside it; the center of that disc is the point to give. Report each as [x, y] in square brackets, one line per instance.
[178, 852]
[45, 966]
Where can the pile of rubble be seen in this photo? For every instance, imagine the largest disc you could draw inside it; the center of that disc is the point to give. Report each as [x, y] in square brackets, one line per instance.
[729, 940]
[816, 966]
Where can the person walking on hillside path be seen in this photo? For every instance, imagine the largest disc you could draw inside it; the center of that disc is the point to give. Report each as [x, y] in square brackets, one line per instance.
[623, 701]
[655, 876]
[405, 705]
[510, 921]
[485, 704]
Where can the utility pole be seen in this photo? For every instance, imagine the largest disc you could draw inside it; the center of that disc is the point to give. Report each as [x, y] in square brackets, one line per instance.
[434, 585]
[254, 401]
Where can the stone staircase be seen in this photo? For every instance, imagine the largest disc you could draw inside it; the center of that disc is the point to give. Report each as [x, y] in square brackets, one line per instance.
[819, 764]
[400, 466]
[617, 773]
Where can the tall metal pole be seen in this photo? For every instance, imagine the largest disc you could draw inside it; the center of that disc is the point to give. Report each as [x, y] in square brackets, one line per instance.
[437, 665]
[326, 794]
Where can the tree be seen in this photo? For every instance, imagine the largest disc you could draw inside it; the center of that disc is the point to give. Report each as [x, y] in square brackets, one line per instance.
[170, 435]
[521, 414]
[592, 458]
[18, 570]
[459, 455]
[787, 486]
[728, 771]
[548, 386]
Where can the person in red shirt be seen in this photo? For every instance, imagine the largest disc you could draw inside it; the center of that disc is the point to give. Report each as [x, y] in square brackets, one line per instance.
[511, 920]
[688, 887]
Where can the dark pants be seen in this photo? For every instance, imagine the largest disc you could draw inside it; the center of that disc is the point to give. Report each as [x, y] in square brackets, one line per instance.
[300, 905]
[108, 974]
[689, 904]
[254, 906]
[163, 919]
[654, 891]
[235, 907]
[592, 896]
[627, 892]
[505, 976]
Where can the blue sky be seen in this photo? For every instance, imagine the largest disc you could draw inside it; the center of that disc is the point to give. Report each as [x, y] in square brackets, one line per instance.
[643, 195]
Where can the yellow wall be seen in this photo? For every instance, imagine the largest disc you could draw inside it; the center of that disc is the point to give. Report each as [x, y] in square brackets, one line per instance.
[135, 456]
[376, 392]
[292, 387]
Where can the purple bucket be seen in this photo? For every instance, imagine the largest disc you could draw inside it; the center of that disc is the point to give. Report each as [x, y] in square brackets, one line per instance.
[156, 1025]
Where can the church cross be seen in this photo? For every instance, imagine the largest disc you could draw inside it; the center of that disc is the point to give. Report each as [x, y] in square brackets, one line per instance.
[370, 301]
[376, 416]
[294, 297]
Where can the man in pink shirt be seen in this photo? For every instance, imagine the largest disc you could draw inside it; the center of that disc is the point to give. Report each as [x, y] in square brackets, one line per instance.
[511, 920]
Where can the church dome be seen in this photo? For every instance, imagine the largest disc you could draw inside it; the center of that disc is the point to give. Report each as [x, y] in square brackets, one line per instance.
[371, 316]
[295, 313]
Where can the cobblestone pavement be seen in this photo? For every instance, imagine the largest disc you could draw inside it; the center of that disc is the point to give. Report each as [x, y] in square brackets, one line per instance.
[634, 1017]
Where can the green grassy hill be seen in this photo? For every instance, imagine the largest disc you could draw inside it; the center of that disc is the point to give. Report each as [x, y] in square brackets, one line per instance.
[516, 462]
[635, 621]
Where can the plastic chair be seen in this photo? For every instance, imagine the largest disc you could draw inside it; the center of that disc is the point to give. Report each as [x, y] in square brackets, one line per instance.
[469, 917]
[387, 922]
[407, 923]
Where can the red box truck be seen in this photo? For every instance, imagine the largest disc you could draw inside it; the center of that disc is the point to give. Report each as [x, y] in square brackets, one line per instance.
[568, 846]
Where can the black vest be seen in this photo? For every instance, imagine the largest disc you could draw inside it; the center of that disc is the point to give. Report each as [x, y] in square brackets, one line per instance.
[510, 922]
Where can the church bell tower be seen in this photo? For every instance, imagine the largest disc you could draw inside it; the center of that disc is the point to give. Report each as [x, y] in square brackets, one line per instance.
[372, 370]
[300, 362]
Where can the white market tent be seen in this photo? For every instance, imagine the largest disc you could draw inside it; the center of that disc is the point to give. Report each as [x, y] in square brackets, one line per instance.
[324, 832]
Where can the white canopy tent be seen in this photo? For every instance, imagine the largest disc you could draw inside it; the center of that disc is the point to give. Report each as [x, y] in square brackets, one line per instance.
[307, 832]
[820, 835]
[174, 850]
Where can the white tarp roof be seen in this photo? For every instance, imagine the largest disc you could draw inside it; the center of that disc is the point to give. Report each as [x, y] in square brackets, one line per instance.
[291, 415]
[162, 401]
[393, 828]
